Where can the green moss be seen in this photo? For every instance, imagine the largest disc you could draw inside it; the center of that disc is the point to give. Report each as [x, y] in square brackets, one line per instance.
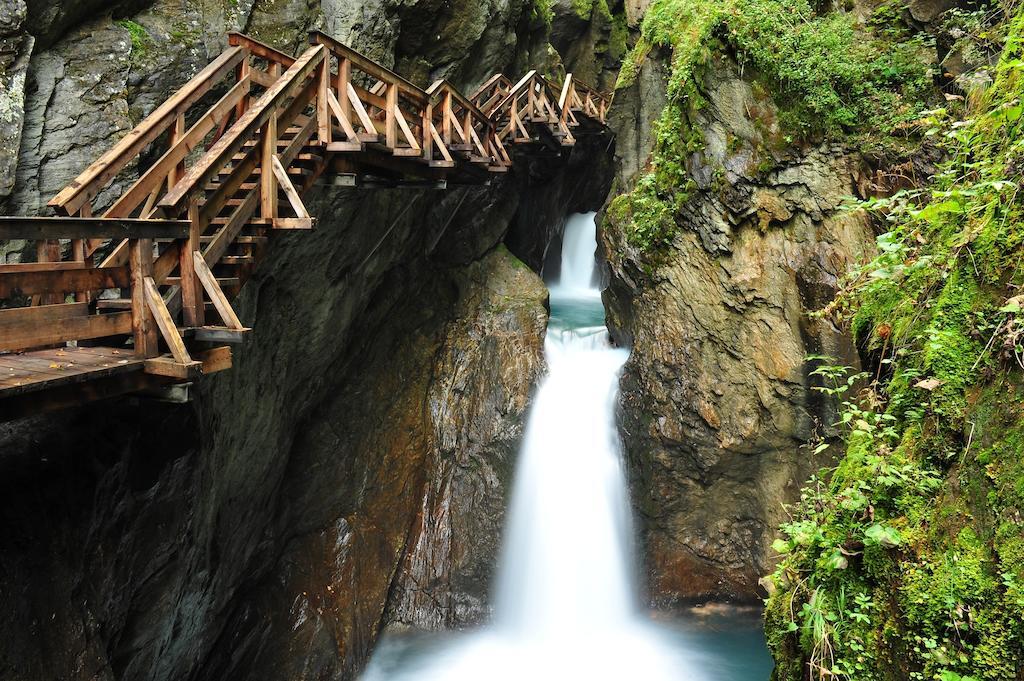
[933, 459]
[543, 12]
[879, 83]
[141, 40]
[878, 87]
[583, 8]
[618, 38]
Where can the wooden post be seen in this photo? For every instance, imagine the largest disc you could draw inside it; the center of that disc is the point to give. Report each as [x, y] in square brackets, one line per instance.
[268, 181]
[177, 132]
[390, 121]
[243, 71]
[446, 119]
[428, 138]
[143, 325]
[323, 110]
[192, 306]
[344, 78]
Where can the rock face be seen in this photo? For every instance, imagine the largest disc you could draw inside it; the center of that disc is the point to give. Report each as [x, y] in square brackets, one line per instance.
[716, 400]
[393, 495]
[349, 472]
[15, 50]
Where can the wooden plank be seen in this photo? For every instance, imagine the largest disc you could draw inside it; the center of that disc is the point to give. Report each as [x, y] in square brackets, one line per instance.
[407, 131]
[167, 327]
[216, 359]
[62, 281]
[241, 172]
[293, 223]
[33, 399]
[46, 369]
[220, 334]
[260, 49]
[141, 267]
[323, 113]
[262, 78]
[41, 314]
[268, 182]
[172, 368]
[85, 186]
[46, 228]
[335, 107]
[14, 379]
[220, 301]
[41, 267]
[390, 121]
[357, 106]
[72, 328]
[286, 185]
[243, 130]
[192, 307]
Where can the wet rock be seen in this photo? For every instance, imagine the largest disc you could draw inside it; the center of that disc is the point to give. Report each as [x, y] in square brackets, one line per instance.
[717, 407]
[326, 485]
[15, 51]
[75, 109]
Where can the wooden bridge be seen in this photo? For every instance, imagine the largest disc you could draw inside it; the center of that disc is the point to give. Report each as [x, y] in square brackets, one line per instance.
[139, 295]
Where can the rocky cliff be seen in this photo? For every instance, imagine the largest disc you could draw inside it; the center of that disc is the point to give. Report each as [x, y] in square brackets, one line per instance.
[349, 472]
[726, 233]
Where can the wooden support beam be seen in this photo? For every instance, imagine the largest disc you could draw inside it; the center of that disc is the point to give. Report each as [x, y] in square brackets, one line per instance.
[390, 121]
[163, 319]
[70, 328]
[219, 334]
[49, 228]
[220, 301]
[289, 189]
[215, 359]
[170, 367]
[192, 308]
[62, 280]
[143, 326]
[323, 109]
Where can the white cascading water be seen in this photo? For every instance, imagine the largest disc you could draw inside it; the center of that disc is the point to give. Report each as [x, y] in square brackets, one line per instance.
[566, 604]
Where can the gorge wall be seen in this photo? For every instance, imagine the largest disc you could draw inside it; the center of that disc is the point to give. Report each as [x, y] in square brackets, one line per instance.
[349, 473]
[718, 411]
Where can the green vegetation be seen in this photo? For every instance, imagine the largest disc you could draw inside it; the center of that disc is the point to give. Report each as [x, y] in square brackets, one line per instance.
[583, 8]
[141, 40]
[828, 76]
[542, 11]
[907, 560]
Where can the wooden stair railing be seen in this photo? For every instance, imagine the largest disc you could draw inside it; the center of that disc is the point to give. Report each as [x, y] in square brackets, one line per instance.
[186, 233]
[465, 128]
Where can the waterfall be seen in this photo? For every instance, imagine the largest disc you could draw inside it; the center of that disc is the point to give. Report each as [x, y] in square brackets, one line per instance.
[566, 604]
[567, 554]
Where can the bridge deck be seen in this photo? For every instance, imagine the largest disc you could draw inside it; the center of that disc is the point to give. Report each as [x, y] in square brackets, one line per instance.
[46, 369]
[180, 242]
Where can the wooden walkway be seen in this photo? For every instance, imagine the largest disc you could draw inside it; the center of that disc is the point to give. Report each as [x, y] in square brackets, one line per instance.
[183, 238]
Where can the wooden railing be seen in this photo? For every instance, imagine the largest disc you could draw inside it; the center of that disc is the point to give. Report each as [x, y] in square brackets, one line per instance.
[186, 231]
[56, 321]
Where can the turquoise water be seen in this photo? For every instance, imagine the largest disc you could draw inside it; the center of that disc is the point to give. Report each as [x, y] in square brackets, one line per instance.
[730, 644]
